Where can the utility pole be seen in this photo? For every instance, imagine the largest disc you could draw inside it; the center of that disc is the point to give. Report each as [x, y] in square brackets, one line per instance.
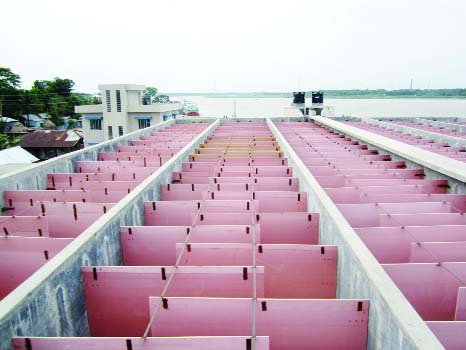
[411, 85]
[234, 108]
[27, 103]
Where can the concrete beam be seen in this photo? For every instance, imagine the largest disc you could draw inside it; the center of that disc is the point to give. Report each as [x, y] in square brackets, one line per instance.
[435, 165]
[51, 302]
[393, 322]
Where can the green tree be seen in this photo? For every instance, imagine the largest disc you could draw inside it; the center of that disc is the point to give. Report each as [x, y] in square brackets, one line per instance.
[162, 99]
[71, 123]
[9, 83]
[6, 143]
[149, 95]
[8, 79]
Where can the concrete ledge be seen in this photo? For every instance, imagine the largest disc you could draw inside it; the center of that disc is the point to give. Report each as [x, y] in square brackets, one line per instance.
[440, 164]
[393, 322]
[35, 177]
[51, 302]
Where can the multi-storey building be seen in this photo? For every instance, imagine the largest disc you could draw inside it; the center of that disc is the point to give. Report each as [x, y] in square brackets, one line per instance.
[121, 112]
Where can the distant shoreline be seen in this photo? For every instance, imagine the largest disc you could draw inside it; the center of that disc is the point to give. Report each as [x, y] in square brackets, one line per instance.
[332, 97]
[341, 94]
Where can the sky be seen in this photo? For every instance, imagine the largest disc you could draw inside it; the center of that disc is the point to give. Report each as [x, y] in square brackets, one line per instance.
[240, 45]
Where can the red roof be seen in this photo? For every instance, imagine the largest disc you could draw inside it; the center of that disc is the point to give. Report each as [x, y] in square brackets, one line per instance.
[50, 138]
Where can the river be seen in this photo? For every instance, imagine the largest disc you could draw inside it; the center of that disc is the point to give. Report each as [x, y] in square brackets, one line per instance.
[273, 107]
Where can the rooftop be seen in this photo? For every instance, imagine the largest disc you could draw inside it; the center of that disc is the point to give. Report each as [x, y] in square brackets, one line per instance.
[50, 138]
[16, 155]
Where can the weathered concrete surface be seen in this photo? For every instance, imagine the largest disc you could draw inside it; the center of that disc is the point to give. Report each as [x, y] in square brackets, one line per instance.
[35, 177]
[435, 165]
[393, 322]
[51, 302]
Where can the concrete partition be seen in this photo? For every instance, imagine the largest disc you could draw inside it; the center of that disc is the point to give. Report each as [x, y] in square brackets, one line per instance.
[51, 302]
[393, 322]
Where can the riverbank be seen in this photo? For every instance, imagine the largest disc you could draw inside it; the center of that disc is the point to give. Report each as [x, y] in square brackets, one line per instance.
[342, 94]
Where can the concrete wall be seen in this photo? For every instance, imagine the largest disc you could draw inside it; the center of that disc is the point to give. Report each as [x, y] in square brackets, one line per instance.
[393, 322]
[51, 302]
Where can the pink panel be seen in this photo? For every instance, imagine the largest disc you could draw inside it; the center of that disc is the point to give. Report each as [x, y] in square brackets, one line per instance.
[227, 206]
[202, 317]
[292, 271]
[276, 184]
[270, 161]
[460, 312]
[170, 213]
[291, 324]
[227, 172]
[272, 171]
[196, 166]
[423, 219]
[26, 226]
[68, 181]
[151, 245]
[292, 228]
[23, 199]
[231, 195]
[224, 234]
[431, 289]
[225, 180]
[313, 324]
[192, 177]
[22, 256]
[429, 186]
[61, 215]
[344, 195]
[299, 271]
[395, 189]
[216, 254]
[438, 251]
[237, 187]
[387, 244]
[187, 192]
[281, 201]
[225, 219]
[70, 177]
[369, 214]
[151, 343]
[117, 296]
[445, 233]
[323, 170]
[452, 335]
[361, 215]
[331, 181]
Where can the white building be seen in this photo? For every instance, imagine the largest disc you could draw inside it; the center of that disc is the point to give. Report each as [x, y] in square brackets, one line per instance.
[121, 112]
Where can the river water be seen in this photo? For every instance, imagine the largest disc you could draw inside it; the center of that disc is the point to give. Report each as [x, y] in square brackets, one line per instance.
[273, 107]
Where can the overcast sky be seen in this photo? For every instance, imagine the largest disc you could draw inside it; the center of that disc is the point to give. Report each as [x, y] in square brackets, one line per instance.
[237, 45]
